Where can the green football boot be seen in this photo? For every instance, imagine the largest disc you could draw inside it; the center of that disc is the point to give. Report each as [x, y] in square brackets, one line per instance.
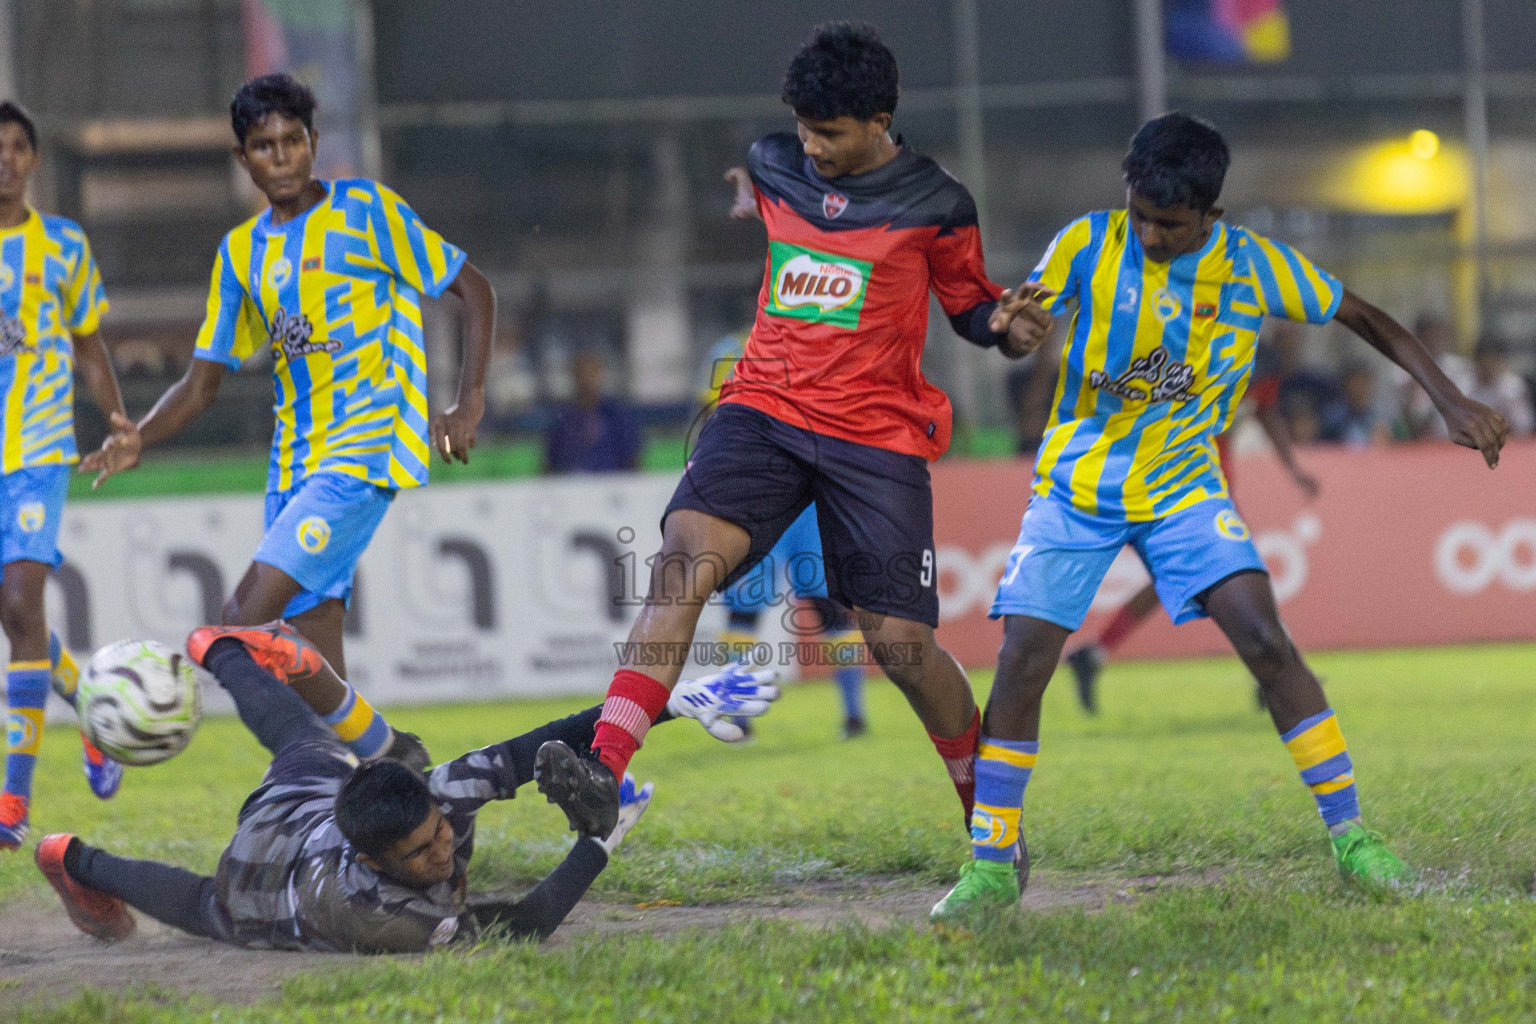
[983, 885]
[1363, 858]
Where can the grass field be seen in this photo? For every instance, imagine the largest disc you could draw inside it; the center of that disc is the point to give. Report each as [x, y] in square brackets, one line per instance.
[1179, 775]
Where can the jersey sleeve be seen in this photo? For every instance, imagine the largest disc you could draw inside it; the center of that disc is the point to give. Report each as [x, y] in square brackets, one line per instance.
[464, 785]
[1288, 284]
[85, 300]
[1059, 268]
[417, 256]
[957, 270]
[230, 327]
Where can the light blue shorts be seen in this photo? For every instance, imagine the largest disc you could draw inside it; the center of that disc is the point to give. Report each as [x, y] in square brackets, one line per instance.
[31, 508]
[318, 530]
[1062, 555]
[796, 559]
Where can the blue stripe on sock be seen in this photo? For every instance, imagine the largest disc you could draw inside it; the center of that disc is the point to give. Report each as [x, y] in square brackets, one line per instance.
[340, 714]
[1000, 784]
[1338, 764]
[850, 684]
[372, 740]
[25, 689]
[1306, 724]
[1339, 806]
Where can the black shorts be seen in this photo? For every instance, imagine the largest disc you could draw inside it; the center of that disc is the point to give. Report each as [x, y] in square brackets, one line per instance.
[874, 507]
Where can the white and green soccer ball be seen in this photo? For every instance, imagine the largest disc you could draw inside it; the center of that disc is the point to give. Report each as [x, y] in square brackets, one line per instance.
[139, 701]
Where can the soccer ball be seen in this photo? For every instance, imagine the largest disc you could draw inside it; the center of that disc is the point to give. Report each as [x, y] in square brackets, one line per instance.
[139, 701]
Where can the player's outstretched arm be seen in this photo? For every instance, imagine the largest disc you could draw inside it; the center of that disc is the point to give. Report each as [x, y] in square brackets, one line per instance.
[1472, 424]
[453, 430]
[1022, 319]
[744, 203]
[185, 400]
[1285, 448]
[95, 366]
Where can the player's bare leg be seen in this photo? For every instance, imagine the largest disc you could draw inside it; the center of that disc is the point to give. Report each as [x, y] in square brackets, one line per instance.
[21, 609]
[1244, 607]
[926, 674]
[261, 596]
[698, 552]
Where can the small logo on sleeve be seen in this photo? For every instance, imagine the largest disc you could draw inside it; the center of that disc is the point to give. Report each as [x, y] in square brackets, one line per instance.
[312, 263]
[443, 934]
[833, 204]
[314, 534]
[31, 517]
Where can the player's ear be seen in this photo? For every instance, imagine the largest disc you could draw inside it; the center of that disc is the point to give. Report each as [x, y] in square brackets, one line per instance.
[882, 122]
[1211, 217]
[314, 140]
[368, 862]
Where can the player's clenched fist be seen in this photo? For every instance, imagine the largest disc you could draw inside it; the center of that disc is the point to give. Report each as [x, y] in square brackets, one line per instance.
[453, 431]
[1474, 425]
[744, 203]
[1022, 318]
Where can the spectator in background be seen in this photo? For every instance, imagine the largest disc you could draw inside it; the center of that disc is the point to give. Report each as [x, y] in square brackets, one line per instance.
[593, 433]
[1353, 419]
[1301, 387]
[1500, 388]
[1419, 418]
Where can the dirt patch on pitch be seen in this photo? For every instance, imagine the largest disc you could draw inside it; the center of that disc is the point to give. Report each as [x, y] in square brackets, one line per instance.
[43, 959]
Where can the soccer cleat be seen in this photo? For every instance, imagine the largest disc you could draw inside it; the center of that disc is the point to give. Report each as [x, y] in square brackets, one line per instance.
[1363, 858]
[103, 773]
[585, 790]
[275, 646]
[407, 748]
[983, 885]
[854, 727]
[1086, 663]
[13, 821]
[95, 913]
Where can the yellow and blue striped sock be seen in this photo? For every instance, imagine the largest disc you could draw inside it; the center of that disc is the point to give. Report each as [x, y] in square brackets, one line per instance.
[64, 671]
[1317, 746]
[358, 725]
[1002, 771]
[26, 691]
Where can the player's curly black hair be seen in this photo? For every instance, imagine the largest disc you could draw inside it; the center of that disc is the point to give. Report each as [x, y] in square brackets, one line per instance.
[380, 804]
[1177, 160]
[14, 113]
[271, 94]
[844, 69]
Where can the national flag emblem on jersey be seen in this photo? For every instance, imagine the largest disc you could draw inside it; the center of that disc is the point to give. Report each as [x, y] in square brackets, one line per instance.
[816, 286]
[833, 204]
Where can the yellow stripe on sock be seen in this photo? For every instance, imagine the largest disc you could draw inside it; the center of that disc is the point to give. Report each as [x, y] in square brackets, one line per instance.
[999, 826]
[1334, 785]
[357, 721]
[29, 666]
[66, 674]
[25, 731]
[1017, 758]
[1317, 744]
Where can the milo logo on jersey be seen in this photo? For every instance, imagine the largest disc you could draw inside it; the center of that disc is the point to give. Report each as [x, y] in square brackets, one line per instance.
[816, 286]
[1155, 377]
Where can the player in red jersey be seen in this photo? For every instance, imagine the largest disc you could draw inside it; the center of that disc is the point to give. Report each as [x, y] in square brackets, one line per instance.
[828, 403]
[1088, 659]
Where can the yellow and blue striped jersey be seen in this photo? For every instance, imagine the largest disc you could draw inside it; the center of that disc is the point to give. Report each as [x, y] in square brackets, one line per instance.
[1157, 359]
[50, 289]
[336, 292]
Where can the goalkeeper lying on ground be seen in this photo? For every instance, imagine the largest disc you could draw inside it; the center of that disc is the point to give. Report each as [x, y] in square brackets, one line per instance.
[333, 856]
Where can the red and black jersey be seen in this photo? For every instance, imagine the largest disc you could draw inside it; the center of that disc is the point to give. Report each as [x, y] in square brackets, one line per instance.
[843, 312]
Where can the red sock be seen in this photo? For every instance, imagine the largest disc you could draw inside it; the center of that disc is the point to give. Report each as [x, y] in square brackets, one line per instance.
[1120, 626]
[959, 756]
[634, 701]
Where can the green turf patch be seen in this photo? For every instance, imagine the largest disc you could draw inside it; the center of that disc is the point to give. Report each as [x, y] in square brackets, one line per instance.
[1179, 774]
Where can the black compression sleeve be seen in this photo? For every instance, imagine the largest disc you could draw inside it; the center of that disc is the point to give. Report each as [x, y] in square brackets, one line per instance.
[971, 325]
[540, 912]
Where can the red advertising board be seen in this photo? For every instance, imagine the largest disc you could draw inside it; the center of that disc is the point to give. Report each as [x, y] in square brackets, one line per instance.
[1406, 545]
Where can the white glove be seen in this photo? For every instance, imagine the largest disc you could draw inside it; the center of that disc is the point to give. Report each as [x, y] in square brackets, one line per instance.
[714, 700]
[632, 804]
